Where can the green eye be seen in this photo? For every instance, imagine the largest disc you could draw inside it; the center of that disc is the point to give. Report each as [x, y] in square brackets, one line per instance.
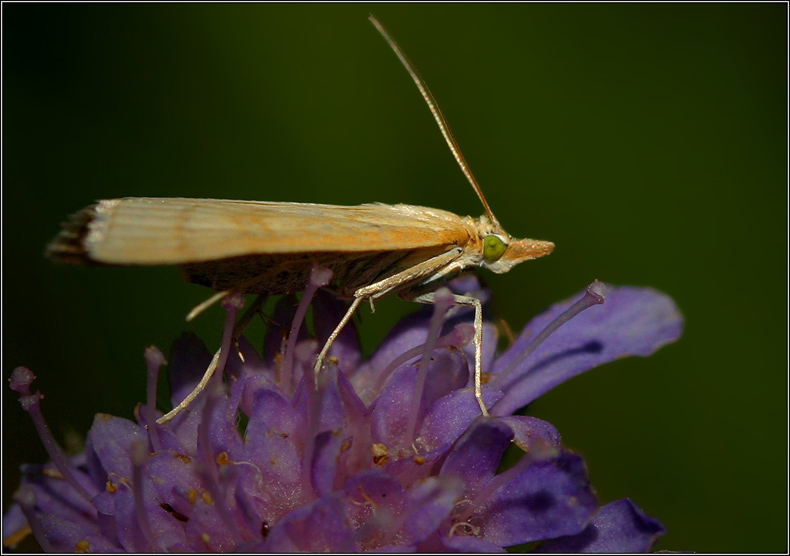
[493, 248]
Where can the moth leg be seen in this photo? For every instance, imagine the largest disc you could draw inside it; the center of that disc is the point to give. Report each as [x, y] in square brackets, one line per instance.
[203, 305]
[431, 267]
[194, 393]
[419, 273]
[240, 288]
[237, 330]
[430, 298]
[211, 367]
[319, 361]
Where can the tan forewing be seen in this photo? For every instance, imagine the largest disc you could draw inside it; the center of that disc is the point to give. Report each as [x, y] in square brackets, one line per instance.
[146, 230]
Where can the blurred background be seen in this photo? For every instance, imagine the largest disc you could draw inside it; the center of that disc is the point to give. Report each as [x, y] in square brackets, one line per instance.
[647, 141]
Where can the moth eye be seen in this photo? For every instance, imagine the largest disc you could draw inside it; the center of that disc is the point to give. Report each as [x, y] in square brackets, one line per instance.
[493, 248]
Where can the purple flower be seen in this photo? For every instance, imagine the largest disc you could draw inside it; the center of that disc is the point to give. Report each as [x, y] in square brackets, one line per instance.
[387, 454]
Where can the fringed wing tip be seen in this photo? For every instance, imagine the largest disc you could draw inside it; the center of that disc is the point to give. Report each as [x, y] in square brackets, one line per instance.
[68, 246]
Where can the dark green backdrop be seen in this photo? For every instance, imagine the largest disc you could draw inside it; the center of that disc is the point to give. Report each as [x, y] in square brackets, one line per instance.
[647, 141]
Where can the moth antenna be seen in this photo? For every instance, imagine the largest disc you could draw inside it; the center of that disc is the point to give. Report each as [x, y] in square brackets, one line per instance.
[437, 115]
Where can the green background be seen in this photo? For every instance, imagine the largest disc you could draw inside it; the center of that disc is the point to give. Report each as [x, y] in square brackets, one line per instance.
[647, 141]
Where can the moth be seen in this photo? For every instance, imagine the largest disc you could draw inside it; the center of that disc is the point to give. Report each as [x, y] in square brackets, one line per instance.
[373, 250]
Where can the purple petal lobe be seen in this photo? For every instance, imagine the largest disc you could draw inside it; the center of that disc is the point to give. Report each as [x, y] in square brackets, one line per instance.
[375, 506]
[390, 414]
[450, 416]
[536, 437]
[547, 499]
[475, 457]
[324, 470]
[272, 412]
[189, 359]
[56, 498]
[619, 526]
[66, 536]
[431, 502]
[206, 531]
[468, 544]
[272, 444]
[15, 526]
[110, 439]
[447, 373]
[633, 321]
[318, 527]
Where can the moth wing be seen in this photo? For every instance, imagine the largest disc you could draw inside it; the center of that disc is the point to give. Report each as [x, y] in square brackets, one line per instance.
[147, 230]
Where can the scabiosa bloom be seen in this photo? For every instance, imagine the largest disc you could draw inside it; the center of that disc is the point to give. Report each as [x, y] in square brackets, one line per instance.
[385, 454]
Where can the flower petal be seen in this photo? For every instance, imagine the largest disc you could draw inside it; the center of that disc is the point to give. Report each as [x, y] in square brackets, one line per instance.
[67, 536]
[547, 499]
[533, 435]
[390, 414]
[375, 505]
[275, 451]
[189, 359]
[430, 503]
[619, 526]
[475, 458]
[632, 321]
[450, 416]
[318, 527]
[325, 461]
[109, 446]
[466, 544]
[15, 526]
[54, 496]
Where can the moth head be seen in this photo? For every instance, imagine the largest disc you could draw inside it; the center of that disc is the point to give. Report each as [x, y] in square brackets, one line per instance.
[500, 254]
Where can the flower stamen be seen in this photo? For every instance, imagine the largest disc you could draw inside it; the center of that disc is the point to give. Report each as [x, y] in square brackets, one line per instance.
[319, 277]
[139, 456]
[154, 359]
[232, 304]
[21, 379]
[595, 294]
[443, 300]
[209, 462]
[460, 336]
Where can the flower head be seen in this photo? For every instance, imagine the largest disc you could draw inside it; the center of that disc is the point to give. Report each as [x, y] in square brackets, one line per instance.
[388, 453]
